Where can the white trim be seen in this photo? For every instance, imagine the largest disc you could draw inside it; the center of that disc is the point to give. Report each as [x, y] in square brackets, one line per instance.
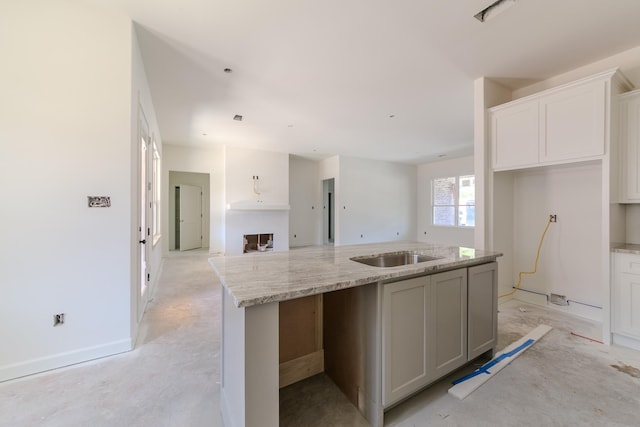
[34, 366]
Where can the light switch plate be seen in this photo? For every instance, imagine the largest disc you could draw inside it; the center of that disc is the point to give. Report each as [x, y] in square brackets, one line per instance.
[99, 201]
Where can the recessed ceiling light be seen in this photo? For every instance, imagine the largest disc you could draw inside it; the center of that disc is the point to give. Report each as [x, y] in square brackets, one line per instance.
[494, 9]
[228, 70]
[237, 117]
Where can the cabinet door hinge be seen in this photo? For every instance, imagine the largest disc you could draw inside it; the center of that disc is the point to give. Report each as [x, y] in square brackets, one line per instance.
[148, 277]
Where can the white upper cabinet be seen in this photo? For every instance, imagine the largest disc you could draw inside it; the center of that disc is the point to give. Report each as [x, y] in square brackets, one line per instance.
[514, 136]
[630, 134]
[565, 124]
[572, 123]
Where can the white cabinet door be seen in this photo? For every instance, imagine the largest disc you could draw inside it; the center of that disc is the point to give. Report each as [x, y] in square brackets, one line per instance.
[514, 135]
[630, 134]
[482, 285]
[572, 123]
[626, 290]
[448, 322]
[405, 361]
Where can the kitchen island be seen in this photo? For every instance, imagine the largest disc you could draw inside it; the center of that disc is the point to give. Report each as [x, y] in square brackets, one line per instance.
[381, 333]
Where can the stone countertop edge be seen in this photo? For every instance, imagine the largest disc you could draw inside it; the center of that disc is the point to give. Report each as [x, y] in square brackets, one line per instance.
[261, 278]
[628, 248]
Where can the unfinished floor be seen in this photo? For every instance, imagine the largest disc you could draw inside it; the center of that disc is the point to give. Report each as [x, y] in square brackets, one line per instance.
[171, 378]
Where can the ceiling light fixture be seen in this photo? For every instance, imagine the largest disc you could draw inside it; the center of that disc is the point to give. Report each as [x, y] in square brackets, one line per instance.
[494, 9]
[237, 117]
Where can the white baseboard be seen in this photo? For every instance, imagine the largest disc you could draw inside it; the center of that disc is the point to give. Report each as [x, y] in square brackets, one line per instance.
[60, 360]
[624, 341]
[225, 409]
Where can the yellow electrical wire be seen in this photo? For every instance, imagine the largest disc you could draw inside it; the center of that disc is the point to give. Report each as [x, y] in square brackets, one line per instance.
[535, 265]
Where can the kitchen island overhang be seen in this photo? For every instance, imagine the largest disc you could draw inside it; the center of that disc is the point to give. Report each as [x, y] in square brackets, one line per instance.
[254, 285]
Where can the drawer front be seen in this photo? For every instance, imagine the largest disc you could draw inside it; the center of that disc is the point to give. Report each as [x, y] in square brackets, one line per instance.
[627, 263]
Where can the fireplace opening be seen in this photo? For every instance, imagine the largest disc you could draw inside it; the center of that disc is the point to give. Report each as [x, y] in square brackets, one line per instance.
[257, 243]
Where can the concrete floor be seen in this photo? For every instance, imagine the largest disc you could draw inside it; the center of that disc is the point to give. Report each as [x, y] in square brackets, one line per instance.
[171, 378]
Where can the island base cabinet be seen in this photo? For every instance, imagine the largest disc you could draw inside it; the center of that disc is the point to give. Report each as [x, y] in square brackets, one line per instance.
[482, 309]
[406, 311]
[249, 375]
[424, 332]
[448, 328]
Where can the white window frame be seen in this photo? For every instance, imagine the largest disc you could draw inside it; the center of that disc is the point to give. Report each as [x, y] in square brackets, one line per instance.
[456, 205]
[155, 192]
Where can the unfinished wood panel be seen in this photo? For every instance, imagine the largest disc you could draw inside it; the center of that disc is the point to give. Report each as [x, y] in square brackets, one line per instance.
[303, 367]
[343, 341]
[300, 327]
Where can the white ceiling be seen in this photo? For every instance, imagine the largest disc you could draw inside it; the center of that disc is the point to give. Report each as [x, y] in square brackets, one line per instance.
[319, 78]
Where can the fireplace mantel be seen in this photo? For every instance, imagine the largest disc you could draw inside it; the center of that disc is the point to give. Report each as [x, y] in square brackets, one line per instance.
[257, 205]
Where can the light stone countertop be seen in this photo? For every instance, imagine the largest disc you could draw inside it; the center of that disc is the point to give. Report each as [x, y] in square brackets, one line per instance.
[260, 278]
[627, 248]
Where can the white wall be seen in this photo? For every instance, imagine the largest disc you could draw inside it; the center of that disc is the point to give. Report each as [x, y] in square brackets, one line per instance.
[305, 189]
[65, 127]
[272, 169]
[570, 260]
[628, 62]
[198, 160]
[377, 201]
[427, 232]
[273, 172]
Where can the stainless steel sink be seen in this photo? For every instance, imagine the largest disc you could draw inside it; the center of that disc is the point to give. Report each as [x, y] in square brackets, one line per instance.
[394, 259]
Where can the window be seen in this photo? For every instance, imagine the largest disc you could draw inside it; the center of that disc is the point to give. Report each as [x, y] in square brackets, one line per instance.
[155, 193]
[453, 201]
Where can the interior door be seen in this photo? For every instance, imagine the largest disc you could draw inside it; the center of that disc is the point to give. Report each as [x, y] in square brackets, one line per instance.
[144, 188]
[190, 216]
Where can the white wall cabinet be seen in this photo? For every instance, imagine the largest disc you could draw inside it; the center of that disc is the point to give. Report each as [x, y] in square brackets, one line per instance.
[514, 136]
[432, 325]
[572, 123]
[626, 300]
[630, 135]
[560, 125]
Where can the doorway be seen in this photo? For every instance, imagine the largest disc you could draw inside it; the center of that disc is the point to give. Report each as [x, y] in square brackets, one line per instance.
[188, 217]
[328, 211]
[180, 189]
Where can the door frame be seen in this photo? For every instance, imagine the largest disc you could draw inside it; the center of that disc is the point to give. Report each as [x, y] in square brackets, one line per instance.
[179, 220]
[144, 238]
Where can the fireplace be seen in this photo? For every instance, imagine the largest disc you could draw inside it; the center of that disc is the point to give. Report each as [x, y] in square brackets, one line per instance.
[257, 242]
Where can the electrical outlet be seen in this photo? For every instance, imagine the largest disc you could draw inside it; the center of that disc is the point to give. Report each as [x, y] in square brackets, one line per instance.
[58, 319]
[553, 218]
[558, 299]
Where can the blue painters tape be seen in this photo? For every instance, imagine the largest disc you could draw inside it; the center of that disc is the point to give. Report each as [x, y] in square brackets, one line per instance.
[484, 369]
